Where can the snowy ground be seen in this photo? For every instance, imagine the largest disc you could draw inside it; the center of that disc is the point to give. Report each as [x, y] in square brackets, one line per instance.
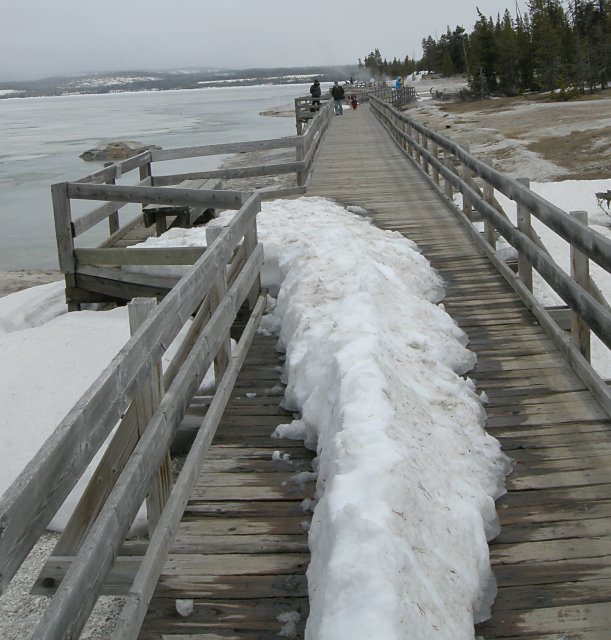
[526, 137]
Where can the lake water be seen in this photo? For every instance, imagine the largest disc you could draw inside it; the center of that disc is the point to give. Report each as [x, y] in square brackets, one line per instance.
[41, 139]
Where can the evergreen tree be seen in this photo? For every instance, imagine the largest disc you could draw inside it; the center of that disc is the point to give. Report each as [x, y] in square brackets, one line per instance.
[509, 80]
[523, 53]
[592, 34]
[483, 53]
[431, 61]
[548, 48]
[550, 43]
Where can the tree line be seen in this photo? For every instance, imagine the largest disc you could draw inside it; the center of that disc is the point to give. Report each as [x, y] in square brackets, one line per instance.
[553, 46]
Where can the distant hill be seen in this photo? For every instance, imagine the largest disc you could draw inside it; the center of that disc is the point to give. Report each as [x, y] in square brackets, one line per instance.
[139, 80]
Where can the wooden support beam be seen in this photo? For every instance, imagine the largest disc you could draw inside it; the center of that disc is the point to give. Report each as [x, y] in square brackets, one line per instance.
[146, 401]
[113, 256]
[580, 272]
[525, 270]
[217, 293]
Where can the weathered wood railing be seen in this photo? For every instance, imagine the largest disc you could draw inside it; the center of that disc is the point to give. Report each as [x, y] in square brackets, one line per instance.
[396, 97]
[88, 273]
[306, 112]
[147, 407]
[448, 164]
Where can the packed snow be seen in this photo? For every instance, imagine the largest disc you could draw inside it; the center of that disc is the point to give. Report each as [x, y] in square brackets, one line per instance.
[406, 474]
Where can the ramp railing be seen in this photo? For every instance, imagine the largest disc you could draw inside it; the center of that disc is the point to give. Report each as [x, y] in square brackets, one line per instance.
[452, 169]
[142, 406]
[85, 265]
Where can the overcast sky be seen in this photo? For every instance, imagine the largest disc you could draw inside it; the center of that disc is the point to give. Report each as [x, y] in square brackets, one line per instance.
[40, 38]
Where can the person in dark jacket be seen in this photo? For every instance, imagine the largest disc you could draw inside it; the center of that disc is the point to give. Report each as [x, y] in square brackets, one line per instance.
[315, 92]
[338, 95]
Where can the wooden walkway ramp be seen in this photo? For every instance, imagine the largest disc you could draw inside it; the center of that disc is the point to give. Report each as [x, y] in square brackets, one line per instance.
[552, 559]
[241, 551]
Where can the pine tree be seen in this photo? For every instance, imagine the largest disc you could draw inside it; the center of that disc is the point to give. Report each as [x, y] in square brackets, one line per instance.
[507, 63]
[550, 43]
[592, 34]
[523, 53]
[483, 57]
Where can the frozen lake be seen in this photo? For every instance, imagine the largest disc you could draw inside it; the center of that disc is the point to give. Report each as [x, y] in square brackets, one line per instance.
[41, 140]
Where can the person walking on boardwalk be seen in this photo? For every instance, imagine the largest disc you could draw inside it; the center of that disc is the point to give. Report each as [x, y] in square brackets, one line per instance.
[338, 95]
[315, 92]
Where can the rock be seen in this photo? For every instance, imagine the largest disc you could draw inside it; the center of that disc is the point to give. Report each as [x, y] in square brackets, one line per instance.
[117, 150]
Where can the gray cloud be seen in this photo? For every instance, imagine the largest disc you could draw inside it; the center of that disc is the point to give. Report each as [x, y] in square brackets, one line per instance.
[42, 38]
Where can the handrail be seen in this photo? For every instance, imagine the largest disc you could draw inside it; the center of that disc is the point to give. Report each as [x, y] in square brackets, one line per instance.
[439, 157]
[153, 189]
[592, 243]
[72, 228]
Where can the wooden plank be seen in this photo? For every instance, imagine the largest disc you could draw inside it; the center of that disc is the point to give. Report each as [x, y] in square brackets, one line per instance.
[186, 570]
[146, 401]
[227, 173]
[118, 168]
[564, 478]
[82, 224]
[566, 570]
[138, 256]
[189, 530]
[233, 617]
[563, 620]
[538, 531]
[222, 149]
[160, 195]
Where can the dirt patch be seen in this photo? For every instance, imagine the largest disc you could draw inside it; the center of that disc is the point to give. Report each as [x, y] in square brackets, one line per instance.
[570, 151]
[530, 136]
[12, 281]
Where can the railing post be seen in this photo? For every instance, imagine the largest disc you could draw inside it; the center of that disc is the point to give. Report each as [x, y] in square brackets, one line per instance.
[447, 185]
[250, 243]
[466, 177]
[299, 156]
[435, 171]
[425, 162]
[298, 122]
[490, 234]
[525, 270]
[147, 400]
[146, 172]
[410, 146]
[113, 218]
[580, 272]
[217, 293]
[62, 215]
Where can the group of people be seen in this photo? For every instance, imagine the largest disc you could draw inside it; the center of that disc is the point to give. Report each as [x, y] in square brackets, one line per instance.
[338, 94]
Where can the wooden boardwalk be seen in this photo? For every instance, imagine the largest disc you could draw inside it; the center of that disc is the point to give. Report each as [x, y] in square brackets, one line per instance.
[241, 551]
[552, 559]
